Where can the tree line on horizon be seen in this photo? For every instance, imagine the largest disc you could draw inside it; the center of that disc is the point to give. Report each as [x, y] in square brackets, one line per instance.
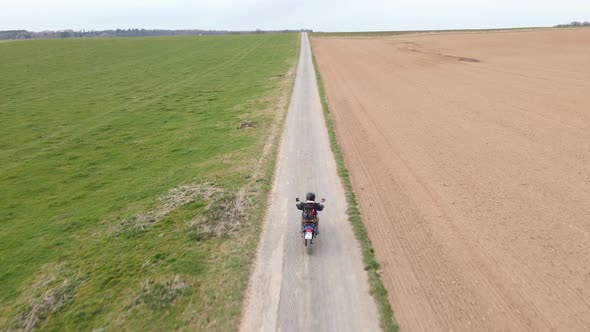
[574, 24]
[24, 34]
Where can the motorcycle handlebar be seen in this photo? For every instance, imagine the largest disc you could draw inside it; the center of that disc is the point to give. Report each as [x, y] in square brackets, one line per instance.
[297, 199]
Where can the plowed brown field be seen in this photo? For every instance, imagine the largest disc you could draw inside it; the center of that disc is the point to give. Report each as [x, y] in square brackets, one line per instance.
[470, 157]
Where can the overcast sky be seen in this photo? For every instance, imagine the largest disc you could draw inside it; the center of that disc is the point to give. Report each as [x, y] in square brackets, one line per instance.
[319, 15]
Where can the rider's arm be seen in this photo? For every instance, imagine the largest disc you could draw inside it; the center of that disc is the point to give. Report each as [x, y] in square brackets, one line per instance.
[299, 206]
[319, 206]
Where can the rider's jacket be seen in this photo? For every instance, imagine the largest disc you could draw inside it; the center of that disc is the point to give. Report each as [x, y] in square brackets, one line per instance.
[309, 205]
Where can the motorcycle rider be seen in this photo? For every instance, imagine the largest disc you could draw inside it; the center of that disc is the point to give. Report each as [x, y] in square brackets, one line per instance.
[310, 211]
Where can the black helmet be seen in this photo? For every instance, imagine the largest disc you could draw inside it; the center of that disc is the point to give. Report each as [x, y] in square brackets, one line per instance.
[310, 196]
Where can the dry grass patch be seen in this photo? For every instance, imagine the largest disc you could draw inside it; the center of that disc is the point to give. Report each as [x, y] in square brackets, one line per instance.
[174, 199]
[225, 214]
[158, 295]
[52, 290]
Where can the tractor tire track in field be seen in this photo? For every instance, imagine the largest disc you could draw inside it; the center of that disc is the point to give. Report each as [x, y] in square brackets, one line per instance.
[291, 290]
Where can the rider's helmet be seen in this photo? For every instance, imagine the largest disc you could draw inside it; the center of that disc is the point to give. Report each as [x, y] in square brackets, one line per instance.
[310, 196]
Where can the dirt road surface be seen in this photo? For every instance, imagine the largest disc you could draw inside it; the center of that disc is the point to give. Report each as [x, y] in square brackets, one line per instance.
[470, 156]
[289, 289]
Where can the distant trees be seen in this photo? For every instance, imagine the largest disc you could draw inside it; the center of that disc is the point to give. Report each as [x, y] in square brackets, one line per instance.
[14, 34]
[574, 24]
[24, 34]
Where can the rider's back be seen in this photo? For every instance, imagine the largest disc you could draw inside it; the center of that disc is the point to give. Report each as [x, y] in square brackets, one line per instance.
[309, 210]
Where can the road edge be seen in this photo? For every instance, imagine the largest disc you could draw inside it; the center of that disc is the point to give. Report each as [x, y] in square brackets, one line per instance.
[376, 287]
[268, 184]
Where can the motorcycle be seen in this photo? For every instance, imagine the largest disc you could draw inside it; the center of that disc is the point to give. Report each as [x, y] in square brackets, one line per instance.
[309, 231]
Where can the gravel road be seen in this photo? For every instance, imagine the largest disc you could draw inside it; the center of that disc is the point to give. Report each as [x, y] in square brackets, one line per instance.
[291, 290]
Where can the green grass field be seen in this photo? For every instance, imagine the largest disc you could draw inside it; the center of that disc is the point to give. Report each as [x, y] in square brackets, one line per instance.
[96, 134]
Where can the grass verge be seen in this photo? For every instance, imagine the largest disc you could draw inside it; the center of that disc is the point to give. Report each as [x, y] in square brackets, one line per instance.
[376, 287]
